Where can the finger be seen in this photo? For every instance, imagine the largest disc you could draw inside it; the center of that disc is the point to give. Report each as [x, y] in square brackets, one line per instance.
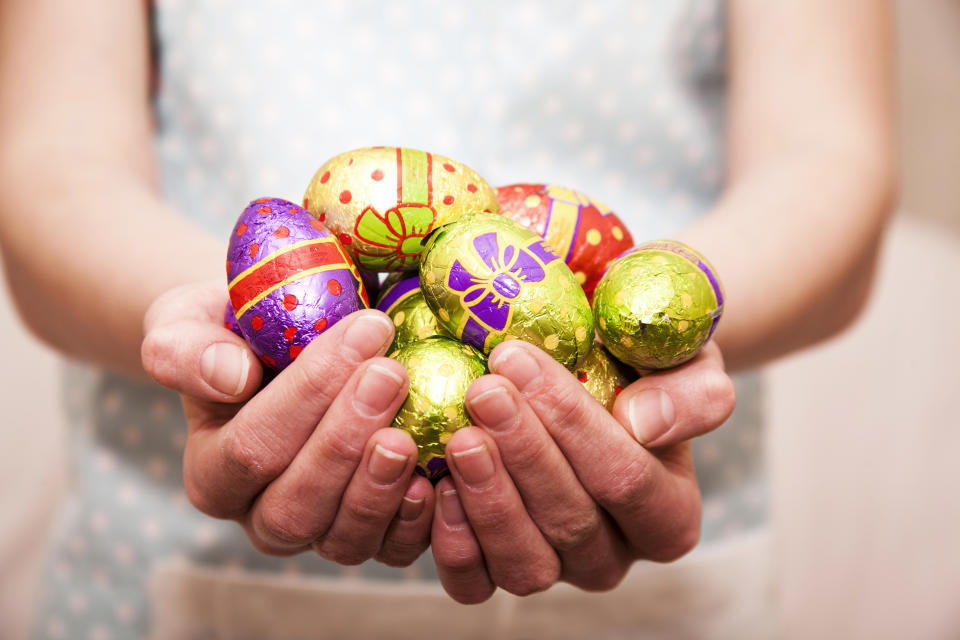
[187, 348]
[409, 533]
[224, 468]
[518, 558]
[671, 406]
[371, 500]
[592, 553]
[456, 551]
[301, 504]
[656, 506]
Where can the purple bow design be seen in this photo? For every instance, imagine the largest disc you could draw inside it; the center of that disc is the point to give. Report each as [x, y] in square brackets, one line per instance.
[487, 296]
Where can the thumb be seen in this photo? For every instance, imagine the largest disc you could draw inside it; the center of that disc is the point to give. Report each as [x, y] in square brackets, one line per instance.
[675, 405]
[187, 348]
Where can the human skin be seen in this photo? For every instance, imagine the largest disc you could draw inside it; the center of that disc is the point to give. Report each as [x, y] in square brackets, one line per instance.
[810, 165]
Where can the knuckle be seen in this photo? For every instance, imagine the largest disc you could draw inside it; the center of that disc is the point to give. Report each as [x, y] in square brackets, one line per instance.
[368, 511]
[282, 526]
[400, 553]
[629, 485]
[573, 532]
[565, 408]
[246, 457]
[678, 545]
[320, 378]
[526, 583]
[344, 552]
[459, 561]
[493, 521]
[341, 447]
[203, 499]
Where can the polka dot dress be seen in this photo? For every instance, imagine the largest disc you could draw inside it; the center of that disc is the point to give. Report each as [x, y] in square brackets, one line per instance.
[622, 100]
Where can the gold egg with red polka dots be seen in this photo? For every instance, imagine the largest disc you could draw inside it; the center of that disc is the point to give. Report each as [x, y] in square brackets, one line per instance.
[383, 202]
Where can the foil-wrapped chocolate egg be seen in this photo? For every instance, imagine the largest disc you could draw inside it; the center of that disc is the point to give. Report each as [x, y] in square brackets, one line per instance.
[602, 376]
[657, 305]
[289, 279]
[487, 279]
[581, 230]
[402, 300]
[230, 320]
[382, 202]
[440, 369]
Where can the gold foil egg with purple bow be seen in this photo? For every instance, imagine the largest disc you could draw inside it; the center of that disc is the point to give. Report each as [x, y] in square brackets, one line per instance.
[488, 279]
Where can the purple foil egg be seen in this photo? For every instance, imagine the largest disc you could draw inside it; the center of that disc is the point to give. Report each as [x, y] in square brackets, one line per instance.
[289, 280]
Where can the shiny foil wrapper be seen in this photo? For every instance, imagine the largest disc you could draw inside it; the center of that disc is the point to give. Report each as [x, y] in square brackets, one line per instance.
[382, 202]
[289, 280]
[440, 369]
[602, 376]
[657, 305]
[488, 279]
[230, 320]
[581, 230]
[403, 302]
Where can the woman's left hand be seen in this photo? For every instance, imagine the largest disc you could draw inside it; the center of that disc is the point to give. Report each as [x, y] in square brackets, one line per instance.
[552, 487]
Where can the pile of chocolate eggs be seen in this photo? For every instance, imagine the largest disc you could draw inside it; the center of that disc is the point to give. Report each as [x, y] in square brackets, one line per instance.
[469, 267]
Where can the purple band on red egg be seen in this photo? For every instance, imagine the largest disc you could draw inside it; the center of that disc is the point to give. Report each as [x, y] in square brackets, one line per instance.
[398, 292]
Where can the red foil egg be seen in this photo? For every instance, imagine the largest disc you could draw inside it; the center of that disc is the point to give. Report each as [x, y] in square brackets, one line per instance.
[581, 230]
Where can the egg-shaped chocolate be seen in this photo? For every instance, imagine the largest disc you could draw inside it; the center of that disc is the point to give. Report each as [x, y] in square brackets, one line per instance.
[487, 279]
[581, 230]
[402, 300]
[230, 320]
[440, 370]
[288, 278]
[657, 305]
[382, 202]
[602, 376]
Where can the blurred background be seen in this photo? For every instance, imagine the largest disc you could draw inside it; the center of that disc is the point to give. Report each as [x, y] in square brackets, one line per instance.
[863, 436]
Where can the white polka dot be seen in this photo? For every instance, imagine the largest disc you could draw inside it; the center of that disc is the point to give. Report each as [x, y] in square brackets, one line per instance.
[124, 612]
[206, 534]
[98, 522]
[551, 105]
[128, 494]
[584, 76]
[132, 435]
[123, 553]
[77, 546]
[100, 633]
[111, 402]
[573, 131]
[77, 602]
[151, 528]
[627, 131]
[56, 629]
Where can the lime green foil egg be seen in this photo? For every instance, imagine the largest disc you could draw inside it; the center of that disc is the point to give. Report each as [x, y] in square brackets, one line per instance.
[440, 370]
[488, 279]
[657, 305]
[402, 300]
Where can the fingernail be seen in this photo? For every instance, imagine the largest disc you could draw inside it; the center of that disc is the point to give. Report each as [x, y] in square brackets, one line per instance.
[515, 363]
[411, 509]
[474, 465]
[376, 390]
[386, 466]
[224, 367]
[651, 415]
[451, 509]
[368, 334]
[495, 409]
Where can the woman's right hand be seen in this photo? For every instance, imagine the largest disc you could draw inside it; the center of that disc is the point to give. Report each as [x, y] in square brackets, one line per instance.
[309, 461]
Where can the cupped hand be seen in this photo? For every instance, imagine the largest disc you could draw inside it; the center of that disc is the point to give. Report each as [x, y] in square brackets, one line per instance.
[308, 461]
[551, 487]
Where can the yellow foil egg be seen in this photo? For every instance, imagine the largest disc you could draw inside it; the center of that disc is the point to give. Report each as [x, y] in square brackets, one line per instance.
[382, 202]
